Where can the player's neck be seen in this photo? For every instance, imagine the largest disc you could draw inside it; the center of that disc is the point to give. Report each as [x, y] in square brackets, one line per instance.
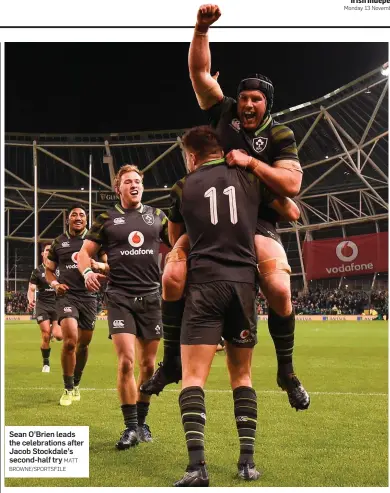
[128, 206]
[211, 157]
[72, 232]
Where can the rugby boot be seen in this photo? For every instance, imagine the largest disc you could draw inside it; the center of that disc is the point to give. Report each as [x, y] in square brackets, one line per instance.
[160, 378]
[297, 395]
[76, 393]
[128, 439]
[66, 398]
[195, 475]
[144, 433]
[248, 471]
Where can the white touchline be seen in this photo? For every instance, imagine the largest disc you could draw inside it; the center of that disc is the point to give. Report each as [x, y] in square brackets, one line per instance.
[373, 394]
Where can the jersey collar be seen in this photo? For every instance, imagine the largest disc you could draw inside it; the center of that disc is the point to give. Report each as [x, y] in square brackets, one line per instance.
[214, 161]
[82, 234]
[264, 125]
[120, 209]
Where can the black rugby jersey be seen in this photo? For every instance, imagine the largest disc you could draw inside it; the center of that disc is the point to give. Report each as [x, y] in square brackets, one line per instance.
[131, 238]
[63, 252]
[271, 142]
[45, 293]
[219, 206]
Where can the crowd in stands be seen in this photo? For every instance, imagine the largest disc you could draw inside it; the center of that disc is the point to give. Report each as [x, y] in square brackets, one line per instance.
[316, 302]
[333, 302]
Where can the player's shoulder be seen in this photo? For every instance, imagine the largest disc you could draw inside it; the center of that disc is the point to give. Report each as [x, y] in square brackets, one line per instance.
[177, 188]
[280, 131]
[59, 239]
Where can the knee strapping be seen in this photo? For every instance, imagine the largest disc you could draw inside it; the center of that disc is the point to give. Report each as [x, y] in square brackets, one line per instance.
[177, 254]
[272, 266]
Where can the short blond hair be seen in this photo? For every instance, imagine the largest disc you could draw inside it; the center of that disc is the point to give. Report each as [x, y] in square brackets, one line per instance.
[126, 168]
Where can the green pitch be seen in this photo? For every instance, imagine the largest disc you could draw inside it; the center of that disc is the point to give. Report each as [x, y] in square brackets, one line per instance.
[340, 441]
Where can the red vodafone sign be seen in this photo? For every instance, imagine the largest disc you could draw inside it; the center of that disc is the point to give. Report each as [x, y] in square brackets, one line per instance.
[337, 257]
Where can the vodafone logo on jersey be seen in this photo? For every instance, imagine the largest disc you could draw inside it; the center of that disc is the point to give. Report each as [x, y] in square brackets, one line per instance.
[75, 256]
[136, 239]
[347, 251]
[74, 260]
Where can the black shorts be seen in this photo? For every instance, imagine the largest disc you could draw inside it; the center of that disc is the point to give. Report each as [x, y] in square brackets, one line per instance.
[220, 308]
[44, 312]
[265, 228]
[140, 316]
[83, 309]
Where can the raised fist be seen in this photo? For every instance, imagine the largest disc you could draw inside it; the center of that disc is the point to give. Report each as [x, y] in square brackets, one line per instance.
[208, 14]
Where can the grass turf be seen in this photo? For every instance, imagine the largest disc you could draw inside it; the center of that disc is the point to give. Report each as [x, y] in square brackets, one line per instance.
[342, 440]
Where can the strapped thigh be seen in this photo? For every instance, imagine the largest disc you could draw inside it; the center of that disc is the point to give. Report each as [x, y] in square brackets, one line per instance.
[272, 266]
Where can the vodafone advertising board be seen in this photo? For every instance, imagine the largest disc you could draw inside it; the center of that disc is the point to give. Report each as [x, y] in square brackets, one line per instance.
[352, 256]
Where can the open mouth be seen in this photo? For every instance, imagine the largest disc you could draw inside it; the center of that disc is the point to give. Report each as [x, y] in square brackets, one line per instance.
[78, 223]
[134, 193]
[249, 116]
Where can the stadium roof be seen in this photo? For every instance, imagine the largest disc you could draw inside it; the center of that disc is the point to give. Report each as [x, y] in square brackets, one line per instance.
[342, 139]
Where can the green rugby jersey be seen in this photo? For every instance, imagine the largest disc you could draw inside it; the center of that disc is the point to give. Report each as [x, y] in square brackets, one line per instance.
[131, 238]
[219, 206]
[271, 142]
[45, 293]
[64, 251]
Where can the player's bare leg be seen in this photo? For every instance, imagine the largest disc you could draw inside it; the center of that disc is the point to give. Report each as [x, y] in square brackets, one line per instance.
[274, 273]
[45, 345]
[127, 389]
[68, 358]
[84, 338]
[146, 355]
[56, 330]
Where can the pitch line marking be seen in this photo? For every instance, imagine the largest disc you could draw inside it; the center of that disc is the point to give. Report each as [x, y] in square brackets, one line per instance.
[373, 394]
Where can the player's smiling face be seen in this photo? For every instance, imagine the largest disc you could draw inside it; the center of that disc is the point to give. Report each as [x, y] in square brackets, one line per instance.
[45, 253]
[131, 189]
[77, 220]
[251, 106]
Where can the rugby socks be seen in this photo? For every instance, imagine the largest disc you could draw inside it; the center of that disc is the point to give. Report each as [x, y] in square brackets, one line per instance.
[245, 412]
[193, 416]
[282, 332]
[172, 314]
[129, 412]
[46, 356]
[68, 382]
[142, 412]
[81, 361]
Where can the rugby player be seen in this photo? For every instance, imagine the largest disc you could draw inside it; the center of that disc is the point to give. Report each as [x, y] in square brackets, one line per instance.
[217, 205]
[75, 305]
[253, 140]
[130, 233]
[45, 310]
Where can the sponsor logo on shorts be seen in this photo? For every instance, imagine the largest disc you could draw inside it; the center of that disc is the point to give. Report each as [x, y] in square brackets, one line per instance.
[244, 334]
[259, 144]
[65, 244]
[75, 257]
[158, 329]
[119, 220]
[136, 239]
[118, 324]
[40, 318]
[67, 309]
[148, 218]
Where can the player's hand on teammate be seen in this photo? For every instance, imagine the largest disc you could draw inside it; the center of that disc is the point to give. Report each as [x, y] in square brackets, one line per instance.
[236, 157]
[207, 15]
[61, 289]
[99, 267]
[93, 281]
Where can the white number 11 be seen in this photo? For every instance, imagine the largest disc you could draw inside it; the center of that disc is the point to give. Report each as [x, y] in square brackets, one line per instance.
[212, 194]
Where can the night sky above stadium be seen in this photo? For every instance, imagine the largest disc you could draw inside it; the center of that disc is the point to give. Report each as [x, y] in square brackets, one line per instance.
[128, 87]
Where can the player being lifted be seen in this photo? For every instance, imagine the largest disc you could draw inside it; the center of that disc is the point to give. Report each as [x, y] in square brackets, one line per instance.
[253, 140]
[131, 234]
[45, 309]
[76, 306]
[217, 205]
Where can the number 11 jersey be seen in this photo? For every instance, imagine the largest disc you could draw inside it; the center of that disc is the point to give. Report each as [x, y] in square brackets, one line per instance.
[219, 205]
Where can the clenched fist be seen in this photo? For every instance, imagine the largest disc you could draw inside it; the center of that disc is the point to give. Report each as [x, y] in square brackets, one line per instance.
[207, 15]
